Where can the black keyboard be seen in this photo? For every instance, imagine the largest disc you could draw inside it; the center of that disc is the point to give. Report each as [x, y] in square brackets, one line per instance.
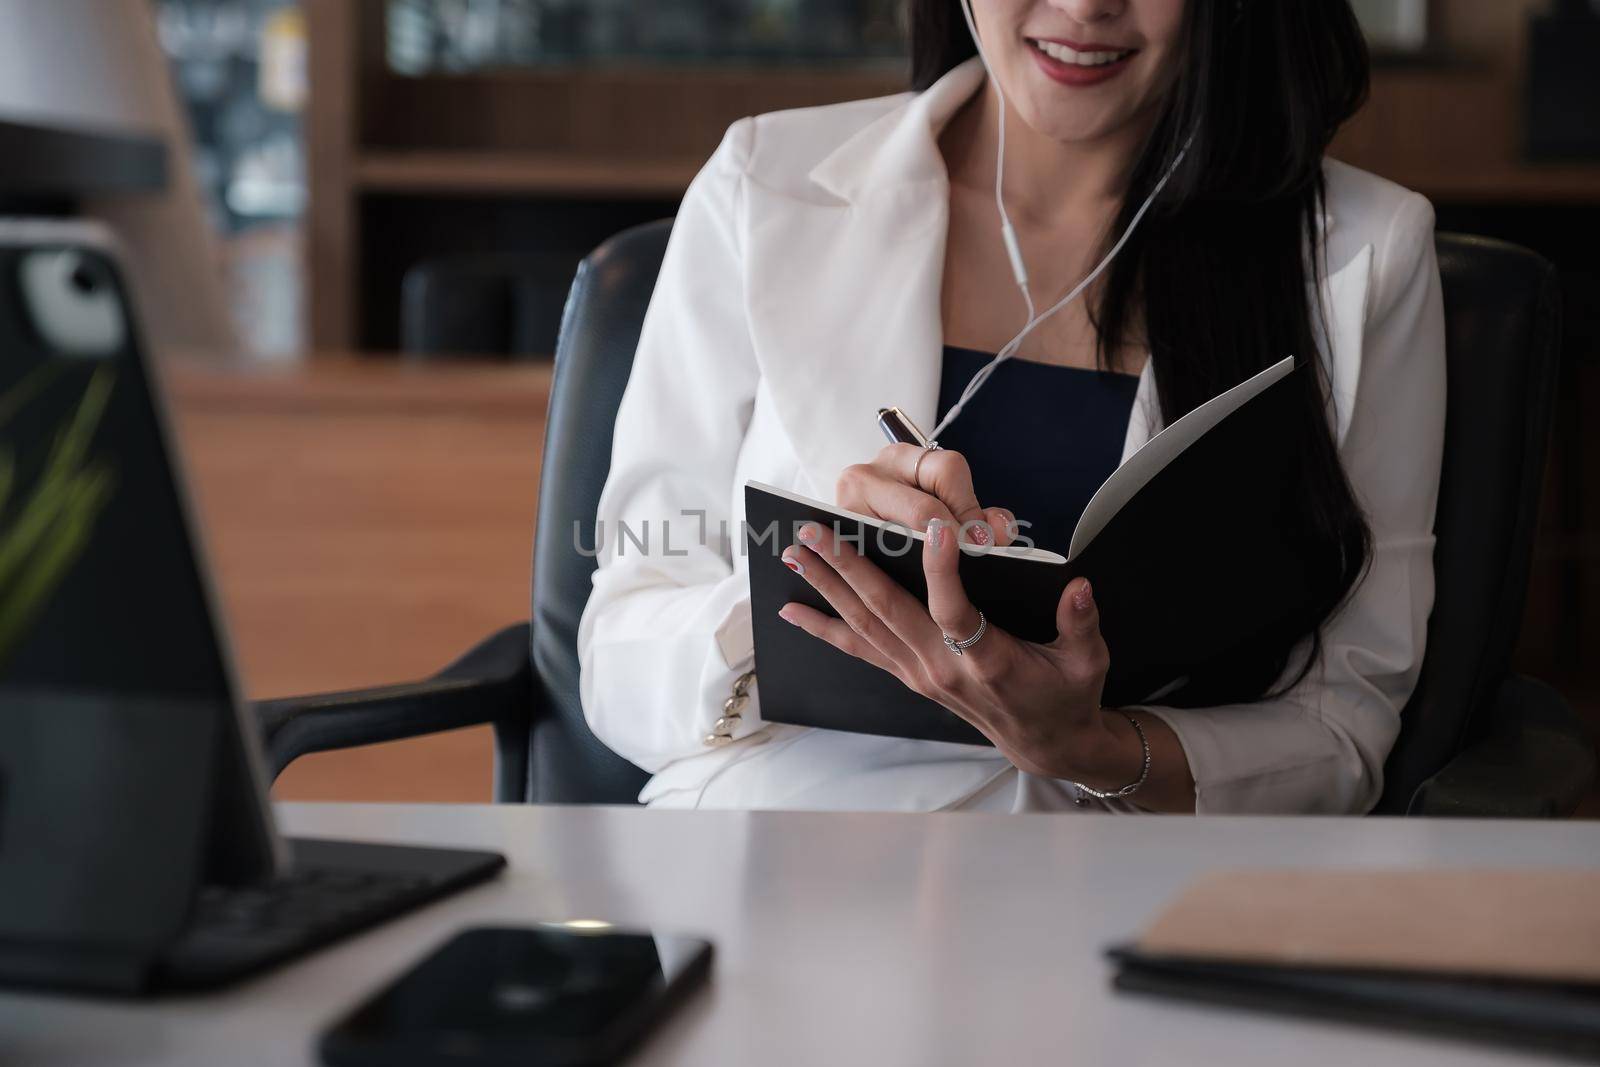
[335, 888]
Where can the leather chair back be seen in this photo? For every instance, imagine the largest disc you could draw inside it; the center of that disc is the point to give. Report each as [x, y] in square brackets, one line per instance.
[594, 356]
[483, 304]
[1502, 310]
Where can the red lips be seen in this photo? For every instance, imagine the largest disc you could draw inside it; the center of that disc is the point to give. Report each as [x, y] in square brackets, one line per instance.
[1074, 74]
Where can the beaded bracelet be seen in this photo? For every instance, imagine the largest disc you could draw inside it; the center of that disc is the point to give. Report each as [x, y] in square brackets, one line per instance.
[1127, 790]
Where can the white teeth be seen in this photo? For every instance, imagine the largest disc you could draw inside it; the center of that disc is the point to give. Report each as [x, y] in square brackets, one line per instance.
[1063, 54]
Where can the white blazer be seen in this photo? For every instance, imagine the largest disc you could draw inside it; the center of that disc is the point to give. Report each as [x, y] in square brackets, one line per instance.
[800, 292]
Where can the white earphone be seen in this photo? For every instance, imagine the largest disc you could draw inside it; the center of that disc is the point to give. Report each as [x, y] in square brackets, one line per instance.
[1019, 267]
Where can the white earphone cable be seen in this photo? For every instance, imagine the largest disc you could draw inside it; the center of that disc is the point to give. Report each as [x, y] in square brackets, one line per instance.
[1011, 346]
[1019, 266]
[1014, 250]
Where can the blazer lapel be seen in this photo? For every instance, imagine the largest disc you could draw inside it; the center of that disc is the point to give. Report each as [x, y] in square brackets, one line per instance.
[844, 286]
[844, 291]
[1344, 306]
[1144, 422]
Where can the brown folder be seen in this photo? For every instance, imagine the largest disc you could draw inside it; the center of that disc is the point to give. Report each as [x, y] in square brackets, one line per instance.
[1496, 954]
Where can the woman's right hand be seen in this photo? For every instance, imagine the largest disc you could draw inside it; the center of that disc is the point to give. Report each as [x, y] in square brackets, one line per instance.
[894, 488]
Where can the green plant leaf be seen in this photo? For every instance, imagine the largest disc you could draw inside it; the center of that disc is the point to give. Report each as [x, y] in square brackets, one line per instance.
[69, 537]
[38, 515]
[53, 525]
[31, 385]
[73, 442]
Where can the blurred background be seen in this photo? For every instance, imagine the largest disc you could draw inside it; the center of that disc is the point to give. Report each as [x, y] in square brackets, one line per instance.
[353, 224]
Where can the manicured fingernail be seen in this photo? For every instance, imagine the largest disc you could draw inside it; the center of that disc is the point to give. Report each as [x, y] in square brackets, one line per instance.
[783, 613]
[809, 533]
[980, 533]
[935, 533]
[1083, 599]
[794, 565]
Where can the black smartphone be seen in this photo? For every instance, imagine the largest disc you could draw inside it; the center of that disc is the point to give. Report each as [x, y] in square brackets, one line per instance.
[563, 995]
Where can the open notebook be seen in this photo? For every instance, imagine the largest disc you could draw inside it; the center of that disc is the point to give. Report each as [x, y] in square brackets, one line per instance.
[1184, 543]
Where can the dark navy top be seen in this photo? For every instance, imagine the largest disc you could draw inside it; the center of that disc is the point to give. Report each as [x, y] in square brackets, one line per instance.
[1040, 438]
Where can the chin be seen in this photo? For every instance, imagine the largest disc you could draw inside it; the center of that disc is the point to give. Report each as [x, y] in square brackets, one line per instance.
[1072, 129]
[1081, 114]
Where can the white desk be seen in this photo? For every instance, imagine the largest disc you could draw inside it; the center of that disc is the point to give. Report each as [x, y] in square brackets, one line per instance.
[924, 940]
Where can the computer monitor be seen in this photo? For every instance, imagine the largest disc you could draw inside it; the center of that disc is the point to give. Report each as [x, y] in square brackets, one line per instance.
[103, 590]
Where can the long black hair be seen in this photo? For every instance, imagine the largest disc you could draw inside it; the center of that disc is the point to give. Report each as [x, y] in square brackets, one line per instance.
[1224, 273]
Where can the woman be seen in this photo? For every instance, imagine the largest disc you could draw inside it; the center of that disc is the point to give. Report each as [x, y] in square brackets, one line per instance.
[833, 260]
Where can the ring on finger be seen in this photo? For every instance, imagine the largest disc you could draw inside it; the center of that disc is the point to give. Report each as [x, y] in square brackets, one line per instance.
[916, 470]
[960, 647]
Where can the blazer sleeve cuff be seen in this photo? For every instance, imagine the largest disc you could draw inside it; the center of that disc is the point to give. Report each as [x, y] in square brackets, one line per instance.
[736, 636]
[1296, 764]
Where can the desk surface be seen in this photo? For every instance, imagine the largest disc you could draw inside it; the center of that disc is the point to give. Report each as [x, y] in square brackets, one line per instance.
[875, 939]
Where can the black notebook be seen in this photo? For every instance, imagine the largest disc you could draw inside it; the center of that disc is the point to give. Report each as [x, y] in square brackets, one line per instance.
[1184, 544]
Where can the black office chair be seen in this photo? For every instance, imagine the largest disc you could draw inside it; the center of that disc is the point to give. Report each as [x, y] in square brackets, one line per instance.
[1475, 740]
[484, 304]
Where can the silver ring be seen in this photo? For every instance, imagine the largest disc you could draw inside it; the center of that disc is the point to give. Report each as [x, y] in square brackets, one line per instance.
[960, 647]
[916, 469]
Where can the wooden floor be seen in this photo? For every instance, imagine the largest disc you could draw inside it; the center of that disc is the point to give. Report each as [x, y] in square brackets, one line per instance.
[366, 522]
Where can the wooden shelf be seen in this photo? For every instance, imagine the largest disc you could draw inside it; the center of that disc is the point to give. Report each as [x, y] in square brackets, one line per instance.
[1524, 183]
[519, 173]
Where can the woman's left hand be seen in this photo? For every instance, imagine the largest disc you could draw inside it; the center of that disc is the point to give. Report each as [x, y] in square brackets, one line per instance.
[1038, 703]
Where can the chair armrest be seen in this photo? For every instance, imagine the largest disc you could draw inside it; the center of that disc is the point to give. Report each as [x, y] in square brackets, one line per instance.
[1537, 761]
[491, 683]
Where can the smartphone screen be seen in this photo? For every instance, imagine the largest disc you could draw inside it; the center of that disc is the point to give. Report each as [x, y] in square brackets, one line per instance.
[547, 995]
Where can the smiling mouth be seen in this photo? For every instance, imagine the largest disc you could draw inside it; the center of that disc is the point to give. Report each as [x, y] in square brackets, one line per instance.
[1081, 58]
